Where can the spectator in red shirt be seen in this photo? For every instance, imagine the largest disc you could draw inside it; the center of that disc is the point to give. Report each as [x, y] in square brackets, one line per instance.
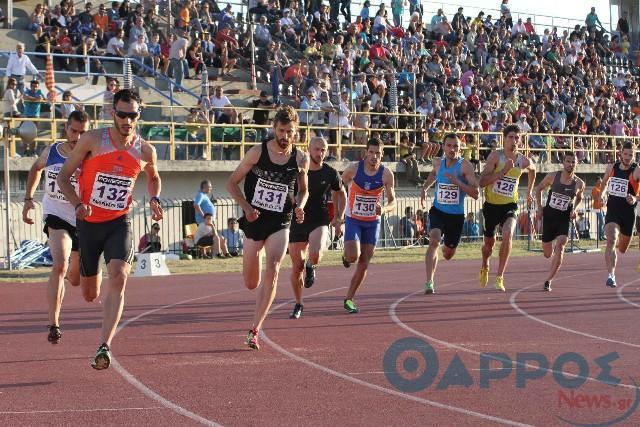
[378, 54]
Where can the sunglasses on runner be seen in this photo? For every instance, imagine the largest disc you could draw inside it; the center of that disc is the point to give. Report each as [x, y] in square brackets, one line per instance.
[125, 115]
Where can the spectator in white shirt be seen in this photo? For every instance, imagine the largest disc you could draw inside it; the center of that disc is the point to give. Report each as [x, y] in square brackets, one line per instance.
[115, 46]
[518, 28]
[139, 50]
[19, 64]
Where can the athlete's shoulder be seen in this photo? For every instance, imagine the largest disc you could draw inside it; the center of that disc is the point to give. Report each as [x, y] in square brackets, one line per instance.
[580, 184]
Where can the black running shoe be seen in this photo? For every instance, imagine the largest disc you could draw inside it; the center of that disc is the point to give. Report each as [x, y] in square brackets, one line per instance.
[309, 275]
[54, 334]
[547, 286]
[346, 263]
[297, 311]
[103, 358]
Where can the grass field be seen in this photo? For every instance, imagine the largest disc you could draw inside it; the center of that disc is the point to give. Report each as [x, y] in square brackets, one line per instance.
[198, 266]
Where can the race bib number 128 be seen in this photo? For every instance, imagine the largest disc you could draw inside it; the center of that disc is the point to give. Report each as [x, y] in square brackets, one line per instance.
[505, 186]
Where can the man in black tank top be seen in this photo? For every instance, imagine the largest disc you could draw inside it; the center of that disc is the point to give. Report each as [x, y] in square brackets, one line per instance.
[270, 172]
[558, 212]
[313, 232]
[620, 181]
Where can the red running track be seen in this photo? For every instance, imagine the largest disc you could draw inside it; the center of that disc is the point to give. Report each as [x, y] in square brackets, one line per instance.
[180, 358]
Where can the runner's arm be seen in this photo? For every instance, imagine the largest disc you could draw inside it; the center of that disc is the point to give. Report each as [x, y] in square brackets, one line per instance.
[389, 187]
[546, 181]
[489, 174]
[471, 186]
[233, 183]
[605, 180]
[339, 199]
[431, 178]
[82, 149]
[349, 173]
[35, 173]
[531, 179]
[149, 156]
[32, 183]
[303, 179]
[579, 193]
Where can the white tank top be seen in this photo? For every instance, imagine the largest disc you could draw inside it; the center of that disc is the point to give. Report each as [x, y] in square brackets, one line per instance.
[54, 202]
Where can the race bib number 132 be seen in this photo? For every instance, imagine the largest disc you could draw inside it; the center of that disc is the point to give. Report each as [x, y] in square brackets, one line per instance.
[111, 192]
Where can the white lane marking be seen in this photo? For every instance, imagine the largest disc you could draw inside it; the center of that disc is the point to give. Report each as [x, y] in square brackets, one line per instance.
[623, 298]
[397, 321]
[146, 390]
[61, 411]
[515, 306]
[375, 386]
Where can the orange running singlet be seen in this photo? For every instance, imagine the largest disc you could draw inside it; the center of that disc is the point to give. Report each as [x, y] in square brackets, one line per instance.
[108, 177]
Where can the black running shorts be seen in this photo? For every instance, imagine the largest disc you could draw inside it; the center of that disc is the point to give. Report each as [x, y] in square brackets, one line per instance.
[57, 223]
[625, 218]
[263, 227]
[300, 232]
[494, 215]
[113, 238]
[554, 226]
[450, 225]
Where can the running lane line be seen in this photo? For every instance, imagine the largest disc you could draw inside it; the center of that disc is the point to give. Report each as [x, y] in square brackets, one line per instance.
[131, 379]
[376, 387]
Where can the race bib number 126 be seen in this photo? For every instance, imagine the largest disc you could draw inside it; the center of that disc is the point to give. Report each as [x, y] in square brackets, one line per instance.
[618, 187]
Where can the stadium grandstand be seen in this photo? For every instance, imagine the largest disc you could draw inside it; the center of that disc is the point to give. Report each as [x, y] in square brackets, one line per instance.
[212, 73]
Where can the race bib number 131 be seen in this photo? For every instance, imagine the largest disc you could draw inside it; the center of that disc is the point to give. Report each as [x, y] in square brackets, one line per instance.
[270, 195]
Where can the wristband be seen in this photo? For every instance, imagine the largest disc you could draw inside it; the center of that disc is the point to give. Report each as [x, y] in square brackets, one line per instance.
[155, 198]
[79, 204]
[28, 199]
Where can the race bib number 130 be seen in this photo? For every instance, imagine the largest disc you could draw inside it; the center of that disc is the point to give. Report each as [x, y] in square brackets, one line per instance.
[364, 206]
[270, 195]
[111, 192]
[505, 186]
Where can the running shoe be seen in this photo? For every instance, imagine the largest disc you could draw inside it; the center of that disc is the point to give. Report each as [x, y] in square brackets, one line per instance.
[346, 263]
[54, 334]
[547, 286]
[103, 358]
[500, 283]
[309, 275]
[428, 288]
[252, 339]
[611, 282]
[350, 306]
[484, 277]
[297, 311]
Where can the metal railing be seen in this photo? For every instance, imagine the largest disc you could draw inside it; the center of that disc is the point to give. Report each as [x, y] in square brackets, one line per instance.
[394, 232]
[180, 139]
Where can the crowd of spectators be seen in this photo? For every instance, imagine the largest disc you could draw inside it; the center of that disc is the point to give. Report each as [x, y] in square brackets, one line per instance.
[437, 74]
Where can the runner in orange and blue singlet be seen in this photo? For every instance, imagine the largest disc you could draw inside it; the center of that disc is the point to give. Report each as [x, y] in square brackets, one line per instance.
[366, 181]
[110, 160]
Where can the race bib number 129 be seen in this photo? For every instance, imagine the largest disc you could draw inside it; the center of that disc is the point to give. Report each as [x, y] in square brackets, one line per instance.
[448, 194]
[111, 192]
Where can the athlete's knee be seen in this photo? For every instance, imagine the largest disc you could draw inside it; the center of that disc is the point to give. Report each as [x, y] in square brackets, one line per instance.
[548, 253]
[297, 266]
[90, 292]
[117, 279]
[59, 268]
[448, 253]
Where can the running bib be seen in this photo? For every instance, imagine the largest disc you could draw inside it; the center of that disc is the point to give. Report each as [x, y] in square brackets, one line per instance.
[448, 194]
[111, 192]
[270, 195]
[364, 206]
[560, 202]
[618, 187]
[51, 184]
[505, 186]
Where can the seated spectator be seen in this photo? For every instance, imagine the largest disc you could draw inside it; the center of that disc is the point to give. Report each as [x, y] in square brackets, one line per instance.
[37, 20]
[207, 236]
[408, 227]
[233, 236]
[150, 242]
[470, 228]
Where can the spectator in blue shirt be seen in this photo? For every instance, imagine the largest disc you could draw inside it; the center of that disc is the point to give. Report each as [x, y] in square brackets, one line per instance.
[234, 237]
[32, 98]
[202, 203]
[470, 228]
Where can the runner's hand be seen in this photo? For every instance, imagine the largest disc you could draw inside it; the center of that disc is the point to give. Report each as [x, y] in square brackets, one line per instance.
[378, 209]
[338, 227]
[631, 199]
[507, 166]
[529, 200]
[299, 215]
[573, 215]
[83, 211]
[539, 213]
[252, 214]
[423, 198]
[28, 205]
[156, 210]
